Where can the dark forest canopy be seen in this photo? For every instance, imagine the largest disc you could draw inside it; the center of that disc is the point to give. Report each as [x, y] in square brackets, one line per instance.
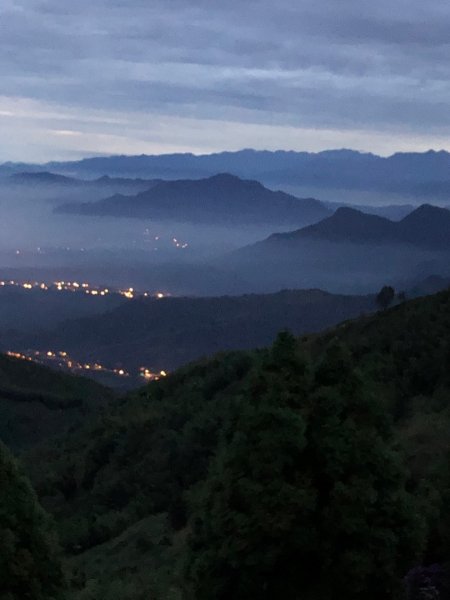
[30, 563]
[304, 468]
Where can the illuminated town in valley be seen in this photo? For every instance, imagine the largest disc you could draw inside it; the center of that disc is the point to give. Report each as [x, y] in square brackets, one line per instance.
[62, 360]
[86, 288]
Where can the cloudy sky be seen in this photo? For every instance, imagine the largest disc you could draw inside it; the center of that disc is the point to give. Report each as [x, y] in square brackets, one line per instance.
[85, 77]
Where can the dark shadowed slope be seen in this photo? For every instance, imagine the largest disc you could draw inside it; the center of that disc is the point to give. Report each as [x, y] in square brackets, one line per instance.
[427, 226]
[130, 491]
[34, 310]
[37, 403]
[164, 334]
[219, 198]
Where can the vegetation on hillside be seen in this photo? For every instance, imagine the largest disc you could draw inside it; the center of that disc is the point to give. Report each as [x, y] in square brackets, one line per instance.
[37, 403]
[304, 468]
[30, 565]
[168, 333]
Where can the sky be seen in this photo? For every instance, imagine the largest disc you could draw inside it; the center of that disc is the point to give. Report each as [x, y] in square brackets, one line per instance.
[82, 78]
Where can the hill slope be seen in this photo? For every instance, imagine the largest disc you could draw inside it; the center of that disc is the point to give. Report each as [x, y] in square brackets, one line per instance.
[167, 333]
[34, 310]
[215, 199]
[37, 403]
[124, 487]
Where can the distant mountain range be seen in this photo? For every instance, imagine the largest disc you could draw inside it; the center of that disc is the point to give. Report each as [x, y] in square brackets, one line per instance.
[424, 175]
[220, 198]
[427, 226]
[39, 180]
[350, 251]
[394, 212]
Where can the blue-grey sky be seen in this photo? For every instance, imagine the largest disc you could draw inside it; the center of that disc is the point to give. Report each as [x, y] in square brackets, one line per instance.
[82, 77]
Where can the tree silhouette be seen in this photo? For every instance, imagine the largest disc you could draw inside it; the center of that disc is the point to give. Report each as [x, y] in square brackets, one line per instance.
[29, 562]
[291, 506]
[385, 297]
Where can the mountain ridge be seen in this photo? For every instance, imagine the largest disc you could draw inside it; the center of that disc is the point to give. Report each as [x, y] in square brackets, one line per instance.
[426, 225]
[220, 197]
[422, 174]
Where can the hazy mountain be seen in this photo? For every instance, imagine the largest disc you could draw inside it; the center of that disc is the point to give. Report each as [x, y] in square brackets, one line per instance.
[218, 198]
[430, 285]
[394, 212]
[47, 179]
[349, 252]
[427, 226]
[40, 178]
[418, 174]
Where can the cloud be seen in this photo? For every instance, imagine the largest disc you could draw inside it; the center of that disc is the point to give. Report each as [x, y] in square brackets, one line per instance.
[346, 67]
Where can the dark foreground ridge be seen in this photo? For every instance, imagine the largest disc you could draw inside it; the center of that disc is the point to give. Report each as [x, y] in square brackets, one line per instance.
[304, 466]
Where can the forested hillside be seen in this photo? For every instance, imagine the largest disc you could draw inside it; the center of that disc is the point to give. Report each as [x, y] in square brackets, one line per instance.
[168, 333]
[37, 403]
[30, 561]
[315, 469]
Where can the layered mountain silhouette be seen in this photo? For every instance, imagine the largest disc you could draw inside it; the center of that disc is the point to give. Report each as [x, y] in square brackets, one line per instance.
[47, 178]
[427, 226]
[219, 198]
[421, 174]
[42, 178]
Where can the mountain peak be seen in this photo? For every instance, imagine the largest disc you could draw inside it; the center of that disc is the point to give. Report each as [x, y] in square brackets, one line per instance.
[427, 226]
[428, 211]
[223, 197]
[224, 178]
[231, 179]
[45, 177]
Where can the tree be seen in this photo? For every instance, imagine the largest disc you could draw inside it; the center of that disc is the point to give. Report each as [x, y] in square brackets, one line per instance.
[385, 297]
[29, 563]
[306, 497]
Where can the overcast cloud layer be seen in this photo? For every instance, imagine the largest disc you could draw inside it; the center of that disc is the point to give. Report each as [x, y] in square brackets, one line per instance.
[83, 77]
